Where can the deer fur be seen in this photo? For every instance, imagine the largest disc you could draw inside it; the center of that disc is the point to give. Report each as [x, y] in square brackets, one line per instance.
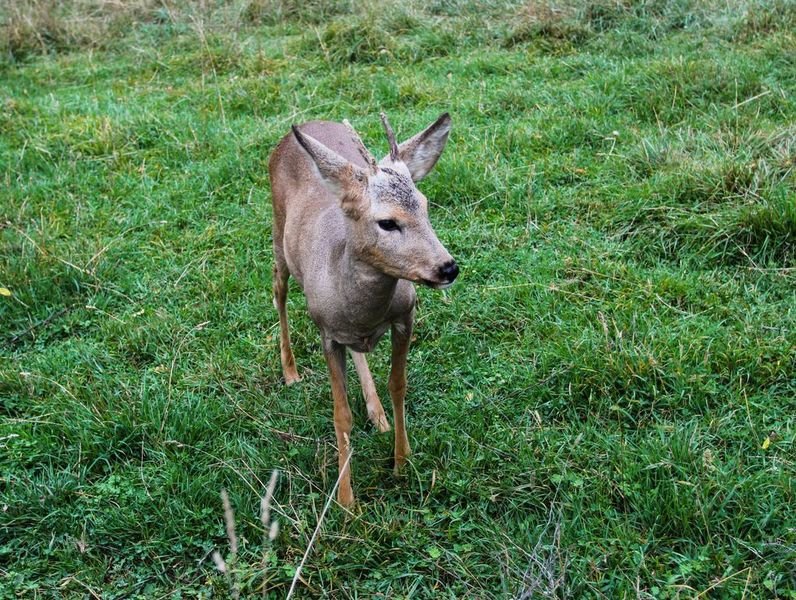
[355, 234]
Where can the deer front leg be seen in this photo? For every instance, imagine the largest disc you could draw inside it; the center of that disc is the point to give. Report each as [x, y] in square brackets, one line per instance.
[335, 360]
[401, 336]
[280, 302]
[375, 409]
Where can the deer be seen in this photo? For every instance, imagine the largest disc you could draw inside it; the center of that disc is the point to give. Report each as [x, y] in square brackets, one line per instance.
[354, 233]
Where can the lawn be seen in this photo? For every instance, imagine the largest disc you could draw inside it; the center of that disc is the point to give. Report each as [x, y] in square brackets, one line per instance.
[603, 406]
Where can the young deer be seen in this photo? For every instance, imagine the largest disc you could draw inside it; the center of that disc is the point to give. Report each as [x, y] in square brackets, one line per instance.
[355, 233]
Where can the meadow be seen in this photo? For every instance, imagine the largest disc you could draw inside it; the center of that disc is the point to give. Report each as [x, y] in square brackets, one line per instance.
[602, 406]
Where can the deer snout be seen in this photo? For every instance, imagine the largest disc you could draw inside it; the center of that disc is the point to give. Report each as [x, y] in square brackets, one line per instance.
[448, 272]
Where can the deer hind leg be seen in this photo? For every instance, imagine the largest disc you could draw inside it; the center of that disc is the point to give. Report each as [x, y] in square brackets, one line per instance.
[375, 409]
[335, 360]
[280, 302]
[401, 336]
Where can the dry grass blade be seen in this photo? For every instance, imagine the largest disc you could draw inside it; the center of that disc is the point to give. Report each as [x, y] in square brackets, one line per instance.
[544, 577]
[265, 503]
[221, 565]
[270, 530]
[317, 528]
[229, 522]
[237, 571]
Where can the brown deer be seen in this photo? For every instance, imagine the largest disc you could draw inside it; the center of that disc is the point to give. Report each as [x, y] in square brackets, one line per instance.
[355, 234]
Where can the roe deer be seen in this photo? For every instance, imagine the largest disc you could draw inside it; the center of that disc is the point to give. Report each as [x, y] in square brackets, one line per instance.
[355, 233]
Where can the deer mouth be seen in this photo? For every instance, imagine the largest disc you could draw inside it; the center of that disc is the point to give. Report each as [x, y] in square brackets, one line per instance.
[437, 285]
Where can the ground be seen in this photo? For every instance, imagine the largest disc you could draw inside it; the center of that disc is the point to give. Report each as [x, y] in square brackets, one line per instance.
[604, 404]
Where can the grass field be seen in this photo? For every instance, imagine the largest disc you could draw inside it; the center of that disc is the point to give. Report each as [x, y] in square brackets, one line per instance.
[603, 406]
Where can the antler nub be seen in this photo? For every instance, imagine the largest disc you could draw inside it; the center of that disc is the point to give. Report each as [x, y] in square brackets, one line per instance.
[390, 137]
[361, 147]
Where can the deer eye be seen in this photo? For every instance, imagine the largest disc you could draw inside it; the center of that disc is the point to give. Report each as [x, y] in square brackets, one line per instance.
[389, 225]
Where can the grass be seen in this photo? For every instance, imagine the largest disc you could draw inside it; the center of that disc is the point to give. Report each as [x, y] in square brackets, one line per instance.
[603, 406]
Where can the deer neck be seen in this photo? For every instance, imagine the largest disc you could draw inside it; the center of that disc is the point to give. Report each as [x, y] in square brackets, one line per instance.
[364, 288]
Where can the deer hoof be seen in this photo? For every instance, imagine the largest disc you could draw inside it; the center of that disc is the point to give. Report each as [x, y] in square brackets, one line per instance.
[345, 498]
[380, 422]
[400, 460]
[398, 469]
[291, 378]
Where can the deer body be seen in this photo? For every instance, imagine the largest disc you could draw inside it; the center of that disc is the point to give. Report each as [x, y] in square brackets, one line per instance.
[354, 234]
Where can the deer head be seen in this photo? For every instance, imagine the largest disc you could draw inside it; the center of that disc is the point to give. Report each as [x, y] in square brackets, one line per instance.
[387, 216]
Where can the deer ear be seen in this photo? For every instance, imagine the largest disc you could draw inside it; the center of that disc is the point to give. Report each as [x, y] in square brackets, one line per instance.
[421, 152]
[342, 178]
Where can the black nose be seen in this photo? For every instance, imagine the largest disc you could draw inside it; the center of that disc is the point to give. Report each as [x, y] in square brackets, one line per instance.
[448, 271]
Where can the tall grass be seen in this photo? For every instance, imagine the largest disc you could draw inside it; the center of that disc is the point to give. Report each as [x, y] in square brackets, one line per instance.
[603, 406]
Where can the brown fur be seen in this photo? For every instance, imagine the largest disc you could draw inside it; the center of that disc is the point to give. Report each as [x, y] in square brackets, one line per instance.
[329, 197]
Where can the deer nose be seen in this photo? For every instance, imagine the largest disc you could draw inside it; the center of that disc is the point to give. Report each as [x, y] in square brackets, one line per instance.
[449, 271]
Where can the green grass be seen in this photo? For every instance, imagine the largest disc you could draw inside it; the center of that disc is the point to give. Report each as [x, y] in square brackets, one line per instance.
[588, 406]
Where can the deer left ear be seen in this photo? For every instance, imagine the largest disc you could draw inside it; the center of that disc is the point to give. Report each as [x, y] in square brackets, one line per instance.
[345, 180]
[421, 152]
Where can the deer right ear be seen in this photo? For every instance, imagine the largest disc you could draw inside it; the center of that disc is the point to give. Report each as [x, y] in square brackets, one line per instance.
[343, 179]
[421, 152]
